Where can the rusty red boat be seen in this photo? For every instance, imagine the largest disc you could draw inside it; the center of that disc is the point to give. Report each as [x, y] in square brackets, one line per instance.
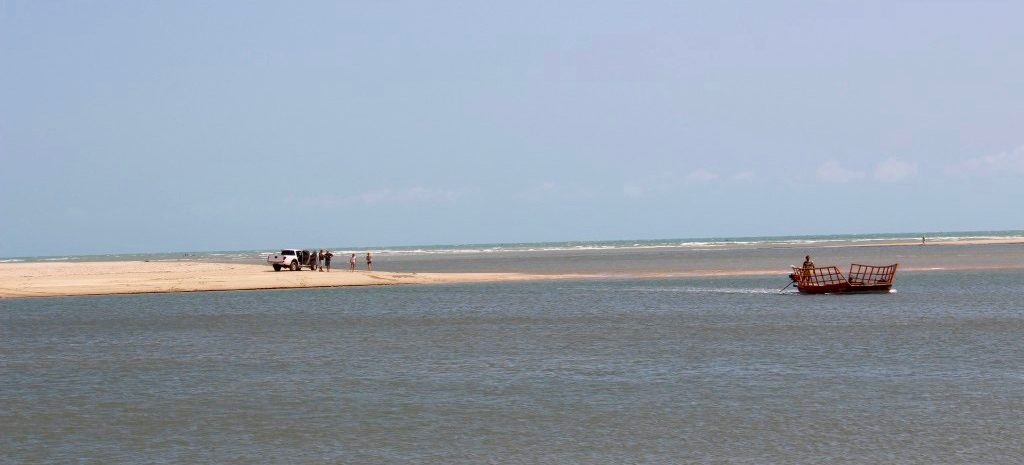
[830, 280]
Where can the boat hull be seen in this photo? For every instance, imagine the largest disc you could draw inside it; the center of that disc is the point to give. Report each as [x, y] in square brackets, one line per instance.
[843, 289]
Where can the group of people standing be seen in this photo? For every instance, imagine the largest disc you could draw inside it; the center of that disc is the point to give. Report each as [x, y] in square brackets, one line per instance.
[323, 260]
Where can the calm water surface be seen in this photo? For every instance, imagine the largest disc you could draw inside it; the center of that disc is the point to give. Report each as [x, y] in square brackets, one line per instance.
[672, 371]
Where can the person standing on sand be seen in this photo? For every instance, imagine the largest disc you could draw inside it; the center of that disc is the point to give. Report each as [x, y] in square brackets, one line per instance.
[327, 260]
[369, 262]
[320, 260]
[352, 263]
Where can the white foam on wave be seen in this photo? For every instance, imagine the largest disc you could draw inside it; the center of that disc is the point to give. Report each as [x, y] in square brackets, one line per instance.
[972, 238]
[700, 244]
[697, 244]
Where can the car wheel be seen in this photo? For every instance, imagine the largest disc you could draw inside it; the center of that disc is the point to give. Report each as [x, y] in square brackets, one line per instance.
[294, 266]
[277, 267]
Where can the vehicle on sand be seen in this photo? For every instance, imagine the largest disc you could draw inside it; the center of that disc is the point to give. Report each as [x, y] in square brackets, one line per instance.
[293, 259]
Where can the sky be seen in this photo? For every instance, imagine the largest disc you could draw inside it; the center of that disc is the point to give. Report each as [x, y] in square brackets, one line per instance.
[190, 126]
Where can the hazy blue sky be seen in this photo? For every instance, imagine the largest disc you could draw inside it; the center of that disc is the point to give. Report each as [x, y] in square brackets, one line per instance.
[172, 126]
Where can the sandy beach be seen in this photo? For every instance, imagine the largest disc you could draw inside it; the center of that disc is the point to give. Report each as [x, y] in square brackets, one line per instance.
[53, 279]
[103, 278]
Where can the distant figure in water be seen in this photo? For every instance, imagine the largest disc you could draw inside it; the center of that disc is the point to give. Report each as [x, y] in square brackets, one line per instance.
[369, 262]
[352, 263]
[922, 240]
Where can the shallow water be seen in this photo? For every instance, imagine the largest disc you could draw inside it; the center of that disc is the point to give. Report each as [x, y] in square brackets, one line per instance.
[618, 371]
[676, 260]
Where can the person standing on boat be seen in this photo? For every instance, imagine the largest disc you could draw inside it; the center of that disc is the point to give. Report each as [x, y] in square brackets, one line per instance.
[808, 266]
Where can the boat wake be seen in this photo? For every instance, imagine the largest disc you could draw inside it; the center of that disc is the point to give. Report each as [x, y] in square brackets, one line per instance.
[688, 290]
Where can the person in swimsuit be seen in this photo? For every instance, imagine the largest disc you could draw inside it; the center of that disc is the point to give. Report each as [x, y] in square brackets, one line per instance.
[369, 262]
[352, 263]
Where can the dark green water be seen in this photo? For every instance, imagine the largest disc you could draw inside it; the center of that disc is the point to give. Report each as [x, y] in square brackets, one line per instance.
[670, 371]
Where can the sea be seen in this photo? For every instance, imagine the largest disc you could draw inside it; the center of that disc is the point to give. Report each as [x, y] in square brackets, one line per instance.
[618, 256]
[641, 366]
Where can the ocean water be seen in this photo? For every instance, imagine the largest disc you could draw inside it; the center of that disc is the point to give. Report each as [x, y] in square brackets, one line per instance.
[709, 370]
[444, 254]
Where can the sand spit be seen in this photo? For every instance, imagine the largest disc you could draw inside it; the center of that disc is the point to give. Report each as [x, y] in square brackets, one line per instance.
[55, 279]
[103, 278]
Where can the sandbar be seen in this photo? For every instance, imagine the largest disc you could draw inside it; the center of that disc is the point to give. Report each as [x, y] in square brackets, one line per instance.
[55, 278]
[62, 279]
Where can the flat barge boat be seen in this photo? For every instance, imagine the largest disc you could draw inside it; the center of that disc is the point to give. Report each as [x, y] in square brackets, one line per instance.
[830, 280]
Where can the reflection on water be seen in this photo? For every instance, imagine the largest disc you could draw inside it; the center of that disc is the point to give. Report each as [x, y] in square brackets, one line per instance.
[671, 371]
